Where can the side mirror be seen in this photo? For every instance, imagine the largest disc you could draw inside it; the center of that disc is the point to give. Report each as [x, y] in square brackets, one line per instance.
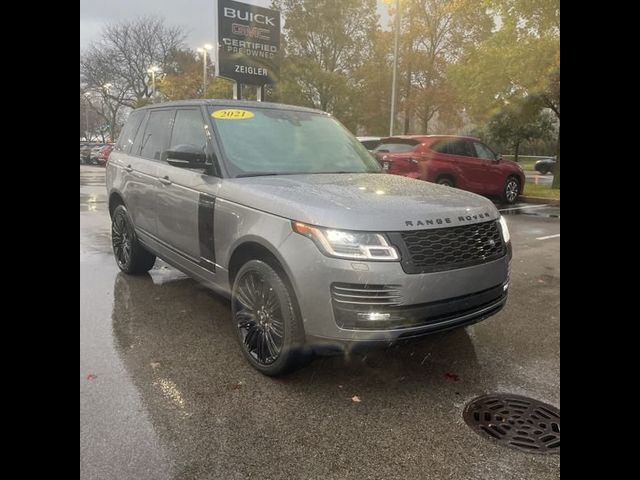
[185, 156]
[384, 150]
[498, 158]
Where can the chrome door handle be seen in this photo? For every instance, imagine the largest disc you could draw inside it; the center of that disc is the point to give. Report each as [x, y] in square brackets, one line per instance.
[128, 168]
[165, 180]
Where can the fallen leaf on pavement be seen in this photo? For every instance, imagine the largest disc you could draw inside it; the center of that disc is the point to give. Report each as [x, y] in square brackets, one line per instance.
[356, 399]
[452, 376]
[91, 376]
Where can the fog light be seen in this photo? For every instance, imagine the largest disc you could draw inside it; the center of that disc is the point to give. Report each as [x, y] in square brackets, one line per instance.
[374, 316]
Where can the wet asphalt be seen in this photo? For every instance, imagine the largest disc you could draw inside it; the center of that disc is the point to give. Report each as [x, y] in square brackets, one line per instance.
[166, 394]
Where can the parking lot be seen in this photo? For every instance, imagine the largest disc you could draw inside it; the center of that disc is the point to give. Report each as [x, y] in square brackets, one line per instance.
[166, 393]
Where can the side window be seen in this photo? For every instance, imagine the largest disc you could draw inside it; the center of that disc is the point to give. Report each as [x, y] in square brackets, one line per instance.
[483, 151]
[128, 134]
[188, 129]
[463, 148]
[156, 135]
[442, 147]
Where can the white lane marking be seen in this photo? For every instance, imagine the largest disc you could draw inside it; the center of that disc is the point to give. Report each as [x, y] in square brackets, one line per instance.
[548, 237]
[526, 206]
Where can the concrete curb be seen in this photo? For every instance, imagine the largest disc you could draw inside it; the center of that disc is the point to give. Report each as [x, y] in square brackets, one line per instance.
[540, 200]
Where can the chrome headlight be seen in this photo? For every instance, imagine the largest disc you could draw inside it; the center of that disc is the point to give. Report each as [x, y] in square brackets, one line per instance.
[347, 244]
[505, 230]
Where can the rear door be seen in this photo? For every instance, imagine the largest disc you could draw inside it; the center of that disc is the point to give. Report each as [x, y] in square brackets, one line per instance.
[147, 148]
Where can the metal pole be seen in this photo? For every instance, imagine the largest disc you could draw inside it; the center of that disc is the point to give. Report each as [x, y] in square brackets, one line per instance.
[395, 68]
[260, 93]
[204, 73]
[86, 111]
[237, 91]
[153, 84]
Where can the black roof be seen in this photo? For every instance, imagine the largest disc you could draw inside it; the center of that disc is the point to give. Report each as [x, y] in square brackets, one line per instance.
[225, 102]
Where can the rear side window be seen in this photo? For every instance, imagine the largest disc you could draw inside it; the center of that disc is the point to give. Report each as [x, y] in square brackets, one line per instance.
[397, 146]
[462, 148]
[156, 135]
[128, 134]
[188, 129]
[443, 147]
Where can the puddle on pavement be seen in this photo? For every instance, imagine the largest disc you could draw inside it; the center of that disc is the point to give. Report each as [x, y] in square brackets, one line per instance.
[162, 273]
[548, 212]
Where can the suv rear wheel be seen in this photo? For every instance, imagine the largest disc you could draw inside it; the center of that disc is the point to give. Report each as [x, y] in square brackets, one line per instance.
[269, 329]
[130, 255]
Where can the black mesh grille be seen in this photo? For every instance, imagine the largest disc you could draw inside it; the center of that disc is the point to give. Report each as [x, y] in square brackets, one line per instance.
[449, 248]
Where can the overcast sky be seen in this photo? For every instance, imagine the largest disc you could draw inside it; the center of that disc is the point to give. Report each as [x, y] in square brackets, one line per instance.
[196, 16]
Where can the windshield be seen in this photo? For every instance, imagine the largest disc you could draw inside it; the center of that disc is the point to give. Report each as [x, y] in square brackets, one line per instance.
[264, 141]
[397, 146]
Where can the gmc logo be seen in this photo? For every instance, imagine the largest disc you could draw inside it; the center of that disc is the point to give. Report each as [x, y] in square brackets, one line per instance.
[247, 31]
[248, 16]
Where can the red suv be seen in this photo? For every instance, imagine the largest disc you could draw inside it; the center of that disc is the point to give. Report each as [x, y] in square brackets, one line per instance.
[461, 162]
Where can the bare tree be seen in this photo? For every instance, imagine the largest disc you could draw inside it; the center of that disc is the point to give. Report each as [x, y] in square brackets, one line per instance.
[121, 58]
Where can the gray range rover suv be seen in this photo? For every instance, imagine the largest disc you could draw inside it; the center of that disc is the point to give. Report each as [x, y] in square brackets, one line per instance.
[284, 211]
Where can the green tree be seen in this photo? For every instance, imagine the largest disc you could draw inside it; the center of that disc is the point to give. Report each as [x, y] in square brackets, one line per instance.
[435, 33]
[326, 41]
[513, 126]
[520, 60]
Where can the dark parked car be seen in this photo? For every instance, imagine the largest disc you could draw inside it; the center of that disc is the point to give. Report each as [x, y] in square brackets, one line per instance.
[455, 161]
[89, 152]
[545, 165]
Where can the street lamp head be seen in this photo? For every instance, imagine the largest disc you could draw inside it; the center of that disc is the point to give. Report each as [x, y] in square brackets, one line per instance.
[208, 46]
[153, 69]
[200, 50]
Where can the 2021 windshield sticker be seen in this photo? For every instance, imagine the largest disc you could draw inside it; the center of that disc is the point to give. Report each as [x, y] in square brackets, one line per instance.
[232, 114]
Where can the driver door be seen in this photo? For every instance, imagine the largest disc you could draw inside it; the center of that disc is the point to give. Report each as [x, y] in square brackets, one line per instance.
[181, 199]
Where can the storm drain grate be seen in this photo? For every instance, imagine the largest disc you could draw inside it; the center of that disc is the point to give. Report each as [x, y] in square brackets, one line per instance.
[515, 421]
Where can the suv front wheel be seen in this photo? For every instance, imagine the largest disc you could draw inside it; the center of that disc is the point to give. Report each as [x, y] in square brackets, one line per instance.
[269, 329]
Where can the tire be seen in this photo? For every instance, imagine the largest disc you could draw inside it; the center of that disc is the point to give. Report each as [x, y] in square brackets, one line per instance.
[131, 256]
[511, 190]
[264, 314]
[446, 181]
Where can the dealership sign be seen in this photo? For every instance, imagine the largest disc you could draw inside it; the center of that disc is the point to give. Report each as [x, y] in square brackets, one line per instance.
[248, 43]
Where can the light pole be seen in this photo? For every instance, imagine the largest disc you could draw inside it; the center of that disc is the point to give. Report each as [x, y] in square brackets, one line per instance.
[203, 51]
[153, 71]
[86, 114]
[106, 87]
[395, 68]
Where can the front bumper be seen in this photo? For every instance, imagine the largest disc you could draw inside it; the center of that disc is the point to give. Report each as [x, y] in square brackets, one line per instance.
[423, 303]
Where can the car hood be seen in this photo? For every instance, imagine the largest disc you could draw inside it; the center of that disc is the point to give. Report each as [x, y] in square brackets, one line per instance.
[363, 201]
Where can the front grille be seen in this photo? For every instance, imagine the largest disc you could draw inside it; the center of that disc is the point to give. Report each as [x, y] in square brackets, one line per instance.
[362, 295]
[449, 248]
